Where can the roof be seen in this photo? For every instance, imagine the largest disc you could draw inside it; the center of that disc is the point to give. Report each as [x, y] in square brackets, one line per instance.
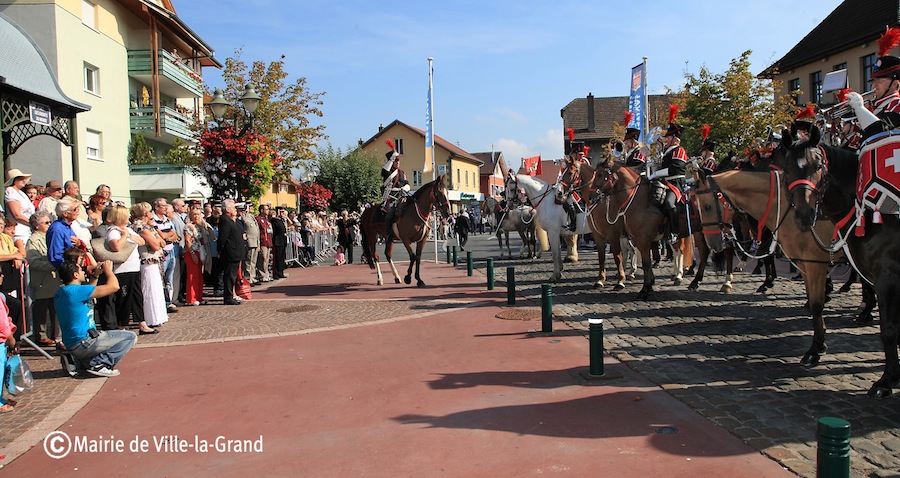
[485, 157]
[25, 67]
[852, 23]
[170, 20]
[454, 150]
[607, 111]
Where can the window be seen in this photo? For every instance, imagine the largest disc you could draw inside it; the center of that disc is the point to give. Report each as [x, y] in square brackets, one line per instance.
[794, 90]
[417, 177]
[91, 79]
[868, 65]
[89, 14]
[458, 176]
[467, 179]
[398, 142]
[815, 87]
[283, 188]
[840, 66]
[93, 143]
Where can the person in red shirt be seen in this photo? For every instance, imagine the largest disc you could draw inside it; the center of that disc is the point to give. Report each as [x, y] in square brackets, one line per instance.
[265, 244]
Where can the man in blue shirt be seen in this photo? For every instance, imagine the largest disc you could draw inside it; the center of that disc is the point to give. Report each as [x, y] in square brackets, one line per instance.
[60, 236]
[95, 351]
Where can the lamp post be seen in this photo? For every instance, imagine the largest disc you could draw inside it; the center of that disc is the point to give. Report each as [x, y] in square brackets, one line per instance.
[249, 100]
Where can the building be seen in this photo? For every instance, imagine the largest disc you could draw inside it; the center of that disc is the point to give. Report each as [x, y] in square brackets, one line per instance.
[493, 173]
[460, 168]
[139, 68]
[282, 194]
[594, 119]
[840, 51]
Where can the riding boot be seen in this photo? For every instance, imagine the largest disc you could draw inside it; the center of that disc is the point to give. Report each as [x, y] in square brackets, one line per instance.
[673, 226]
[570, 210]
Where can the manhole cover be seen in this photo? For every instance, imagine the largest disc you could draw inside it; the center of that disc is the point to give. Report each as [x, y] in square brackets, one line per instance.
[666, 430]
[298, 308]
[519, 314]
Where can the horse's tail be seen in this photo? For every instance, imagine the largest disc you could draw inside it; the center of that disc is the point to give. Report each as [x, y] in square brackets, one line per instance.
[367, 251]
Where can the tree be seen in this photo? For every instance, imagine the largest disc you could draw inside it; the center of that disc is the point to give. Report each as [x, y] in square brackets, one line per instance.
[237, 167]
[182, 153]
[284, 112]
[354, 178]
[736, 104]
[139, 152]
[313, 197]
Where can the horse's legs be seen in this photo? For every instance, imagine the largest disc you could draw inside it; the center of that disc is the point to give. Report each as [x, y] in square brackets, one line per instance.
[388, 250]
[555, 254]
[600, 241]
[702, 258]
[647, 267]
[728, 286]
[890, 327]
[413, 260]
[419, 247]
[572, 248]
[677, 262]
[615, 248]
[814, 277]
[864, 311]
[851, 278]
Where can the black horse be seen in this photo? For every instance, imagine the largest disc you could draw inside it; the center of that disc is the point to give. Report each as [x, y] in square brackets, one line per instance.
[822, 180]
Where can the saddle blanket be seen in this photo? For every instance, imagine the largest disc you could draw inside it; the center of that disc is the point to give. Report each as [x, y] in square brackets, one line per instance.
[878, 179]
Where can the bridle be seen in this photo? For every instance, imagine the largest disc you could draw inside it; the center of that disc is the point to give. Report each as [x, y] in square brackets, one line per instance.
[608, 189]
[818, 187]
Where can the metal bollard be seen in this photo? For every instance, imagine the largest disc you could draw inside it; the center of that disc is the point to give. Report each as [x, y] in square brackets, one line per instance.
[469, 264]
[546, 308]
[511, 286]
[490, 273]
[455, 258]
[595, 335]
[448, 254]
[833, 454]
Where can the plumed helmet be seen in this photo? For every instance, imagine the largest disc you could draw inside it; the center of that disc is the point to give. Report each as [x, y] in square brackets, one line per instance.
[887, 66]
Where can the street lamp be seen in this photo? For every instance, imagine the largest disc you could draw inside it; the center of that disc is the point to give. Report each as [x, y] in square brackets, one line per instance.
[249, 100]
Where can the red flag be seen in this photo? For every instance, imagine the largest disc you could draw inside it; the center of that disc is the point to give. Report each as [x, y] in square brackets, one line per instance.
[532, 165]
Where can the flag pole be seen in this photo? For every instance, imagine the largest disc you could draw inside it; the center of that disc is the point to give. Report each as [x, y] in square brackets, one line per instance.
[430, 140]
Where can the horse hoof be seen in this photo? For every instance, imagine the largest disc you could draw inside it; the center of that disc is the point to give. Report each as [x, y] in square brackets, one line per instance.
[630, 277]
[727, 289]
[380, 282]
[396, 280]
[844, 288]
[598, 285]
[864, 319]
[420, 284]
[407, 280]
[810, 359]
[676, 282]
[879, 392]
[619, 286]
[694, 286]
[762, 289]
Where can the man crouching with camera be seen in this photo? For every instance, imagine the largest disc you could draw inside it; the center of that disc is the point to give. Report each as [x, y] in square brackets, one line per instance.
[94, 351]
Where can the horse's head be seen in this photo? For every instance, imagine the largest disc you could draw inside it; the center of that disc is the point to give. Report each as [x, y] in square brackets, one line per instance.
[710, 207]
[439, 193]
[514, 194]
[605, 178]
[805, 170]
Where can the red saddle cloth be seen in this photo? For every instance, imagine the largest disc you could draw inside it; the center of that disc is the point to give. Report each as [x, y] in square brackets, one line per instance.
[878, 179]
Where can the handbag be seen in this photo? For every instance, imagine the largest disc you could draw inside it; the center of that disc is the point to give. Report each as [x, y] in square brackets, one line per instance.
[17, 376]
[102, 252]
[242, 287]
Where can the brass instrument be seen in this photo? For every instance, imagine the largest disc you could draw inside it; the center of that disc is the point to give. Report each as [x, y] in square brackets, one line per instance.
[843, 107]
[617, 148]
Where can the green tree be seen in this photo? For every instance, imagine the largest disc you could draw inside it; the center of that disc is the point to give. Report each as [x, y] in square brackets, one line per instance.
[183, 153]
[354, 178]
[139, 152]
[285, 111]
[736, 104]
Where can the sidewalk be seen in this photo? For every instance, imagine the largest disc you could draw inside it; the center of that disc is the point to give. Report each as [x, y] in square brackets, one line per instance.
[333, 376]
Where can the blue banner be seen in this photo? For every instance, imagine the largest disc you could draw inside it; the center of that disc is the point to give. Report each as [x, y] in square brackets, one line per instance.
[636, 98]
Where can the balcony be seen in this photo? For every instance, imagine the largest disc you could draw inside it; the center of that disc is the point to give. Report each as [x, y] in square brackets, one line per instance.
[172, 124]
[155, 179]
[176, 80]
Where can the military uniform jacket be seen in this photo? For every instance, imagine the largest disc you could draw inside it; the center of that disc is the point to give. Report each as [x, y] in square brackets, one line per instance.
[675, 159]
[635, 158]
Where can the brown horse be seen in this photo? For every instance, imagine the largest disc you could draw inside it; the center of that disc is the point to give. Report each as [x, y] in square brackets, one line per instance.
[763, 195]
[823, 181]
[629, 196]
[410, 225]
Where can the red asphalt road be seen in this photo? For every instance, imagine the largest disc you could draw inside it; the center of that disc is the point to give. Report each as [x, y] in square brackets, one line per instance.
[459, 393]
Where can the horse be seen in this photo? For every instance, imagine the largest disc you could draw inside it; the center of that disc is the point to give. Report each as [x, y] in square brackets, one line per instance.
[551, 216]
[822, 180]
[411, 225]
[519, 219]
[763, 195]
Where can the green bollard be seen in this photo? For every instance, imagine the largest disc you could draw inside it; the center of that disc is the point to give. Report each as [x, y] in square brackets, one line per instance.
[490, 273]
[833, 455]
[546, 308]
[455, 258]
[511, 286]
[448, 254]
[469, 265]
[595, 335]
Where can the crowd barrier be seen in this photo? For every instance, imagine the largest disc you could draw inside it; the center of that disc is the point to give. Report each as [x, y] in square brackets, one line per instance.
[298, 254]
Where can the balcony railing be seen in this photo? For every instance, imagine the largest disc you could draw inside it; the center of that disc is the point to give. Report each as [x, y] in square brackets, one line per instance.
[170, 68]
[172, 122]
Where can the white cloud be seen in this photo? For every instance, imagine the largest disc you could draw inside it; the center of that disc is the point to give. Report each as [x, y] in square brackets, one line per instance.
[549, 146]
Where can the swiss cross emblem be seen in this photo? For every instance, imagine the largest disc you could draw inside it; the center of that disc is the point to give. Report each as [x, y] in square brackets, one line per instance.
[878, 180]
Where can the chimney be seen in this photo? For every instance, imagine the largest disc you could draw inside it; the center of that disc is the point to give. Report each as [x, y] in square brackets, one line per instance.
[380, 127]
[590, 112]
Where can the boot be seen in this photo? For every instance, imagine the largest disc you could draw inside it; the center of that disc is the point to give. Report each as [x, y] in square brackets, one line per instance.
[570, 210]
[673, 227]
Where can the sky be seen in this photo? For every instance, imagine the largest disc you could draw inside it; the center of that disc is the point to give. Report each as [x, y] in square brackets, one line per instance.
[503, 69]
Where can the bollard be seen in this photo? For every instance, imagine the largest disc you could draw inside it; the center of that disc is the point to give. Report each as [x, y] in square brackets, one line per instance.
[448, 254]
[833, 454]
[469, 265]
[595, 335]
[546, 308]
[490, 273]
[511, 286]
[455, 258]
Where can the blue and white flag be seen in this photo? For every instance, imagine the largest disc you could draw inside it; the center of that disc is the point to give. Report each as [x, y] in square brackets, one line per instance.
[637, 98]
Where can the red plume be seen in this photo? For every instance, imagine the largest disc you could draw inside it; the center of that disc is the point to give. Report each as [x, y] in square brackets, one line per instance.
[390, 144]
[571, 133]
[586, 149]
[704, 131]
[673, 112]
[805, 113]
[842, 94]
[888, 41]
[628, 117]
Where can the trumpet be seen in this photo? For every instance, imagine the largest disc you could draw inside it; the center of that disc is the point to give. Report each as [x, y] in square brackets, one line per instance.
[844, 107]
[617, 148]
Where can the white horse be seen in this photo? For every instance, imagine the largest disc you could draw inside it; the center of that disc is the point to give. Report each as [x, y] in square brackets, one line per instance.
[519, 219]
[552, 217]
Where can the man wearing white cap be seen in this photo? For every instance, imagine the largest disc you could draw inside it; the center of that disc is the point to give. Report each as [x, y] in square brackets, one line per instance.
[18, 207]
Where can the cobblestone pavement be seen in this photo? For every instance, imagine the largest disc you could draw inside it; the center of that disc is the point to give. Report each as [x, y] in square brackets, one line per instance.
[735, 357]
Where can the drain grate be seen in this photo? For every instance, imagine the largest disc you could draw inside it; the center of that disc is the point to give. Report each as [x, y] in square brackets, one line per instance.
[519, 314]
[298, 308]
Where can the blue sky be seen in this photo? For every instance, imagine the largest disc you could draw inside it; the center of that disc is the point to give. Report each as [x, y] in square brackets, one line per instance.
[502, 69]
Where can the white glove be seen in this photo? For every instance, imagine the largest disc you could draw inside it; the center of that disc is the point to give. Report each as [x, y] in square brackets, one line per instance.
[405, 188]
[660, 173]
[863, 115]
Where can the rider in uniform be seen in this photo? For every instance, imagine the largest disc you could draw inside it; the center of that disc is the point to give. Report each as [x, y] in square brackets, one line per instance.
[674, 163]
[566, 196]
[708, 155]
[395, 184]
